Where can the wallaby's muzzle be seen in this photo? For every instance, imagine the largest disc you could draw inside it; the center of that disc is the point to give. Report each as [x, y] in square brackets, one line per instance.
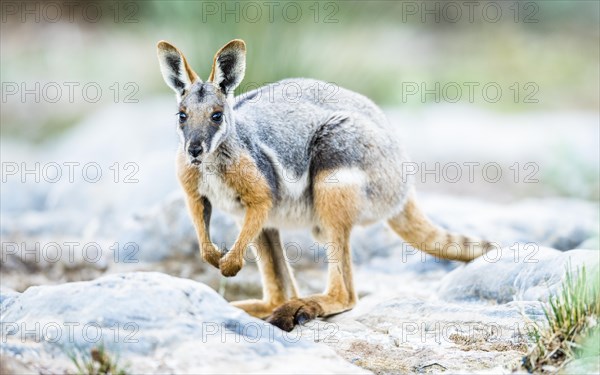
[195, 150]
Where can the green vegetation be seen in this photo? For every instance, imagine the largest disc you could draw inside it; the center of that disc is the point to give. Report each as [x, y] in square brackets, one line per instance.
[542, 57]
[572, 330]
[97, 362]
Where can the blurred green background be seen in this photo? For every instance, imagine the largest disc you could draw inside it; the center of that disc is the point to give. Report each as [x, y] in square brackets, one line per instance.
[543, 55]
[373, 47]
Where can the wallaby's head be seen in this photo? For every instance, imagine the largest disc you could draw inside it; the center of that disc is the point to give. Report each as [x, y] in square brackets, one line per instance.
[205, 116]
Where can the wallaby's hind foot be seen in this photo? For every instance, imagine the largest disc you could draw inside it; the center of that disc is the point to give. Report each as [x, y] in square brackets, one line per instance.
[336, 206]
[302, 310]
[257, 308]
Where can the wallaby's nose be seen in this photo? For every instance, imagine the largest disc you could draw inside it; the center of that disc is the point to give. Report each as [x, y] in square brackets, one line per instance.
[195, 150]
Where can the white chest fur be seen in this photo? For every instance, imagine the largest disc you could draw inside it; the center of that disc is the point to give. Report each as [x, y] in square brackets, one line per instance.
[291, 210]
[219, 194]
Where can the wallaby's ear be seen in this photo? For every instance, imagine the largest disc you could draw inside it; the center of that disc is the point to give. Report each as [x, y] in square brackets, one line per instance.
[175, 69]
[229, 66]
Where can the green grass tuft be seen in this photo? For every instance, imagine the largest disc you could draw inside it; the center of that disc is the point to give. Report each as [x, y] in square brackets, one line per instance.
[572, 321]
[97, 362]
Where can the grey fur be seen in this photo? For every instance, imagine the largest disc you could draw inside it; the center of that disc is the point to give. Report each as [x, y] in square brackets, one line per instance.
[294, 135]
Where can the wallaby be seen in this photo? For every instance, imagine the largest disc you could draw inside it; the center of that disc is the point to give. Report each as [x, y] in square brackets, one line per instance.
[274, 162]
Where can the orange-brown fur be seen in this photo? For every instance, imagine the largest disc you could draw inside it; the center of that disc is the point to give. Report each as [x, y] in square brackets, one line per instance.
[188, 178]
[277, 280]
[416, 229]
[255, 195]
[337, 210]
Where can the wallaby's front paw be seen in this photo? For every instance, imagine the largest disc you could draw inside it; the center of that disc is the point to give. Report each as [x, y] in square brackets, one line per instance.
[231, 264]
[211, 254]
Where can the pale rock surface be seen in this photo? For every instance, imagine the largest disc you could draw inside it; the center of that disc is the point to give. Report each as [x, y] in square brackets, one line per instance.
[154, 323]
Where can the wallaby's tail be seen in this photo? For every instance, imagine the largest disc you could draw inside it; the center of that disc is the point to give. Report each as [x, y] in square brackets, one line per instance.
[416, 229]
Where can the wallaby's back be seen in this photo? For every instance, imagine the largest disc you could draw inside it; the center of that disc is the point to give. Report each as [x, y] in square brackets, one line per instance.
[286, 115]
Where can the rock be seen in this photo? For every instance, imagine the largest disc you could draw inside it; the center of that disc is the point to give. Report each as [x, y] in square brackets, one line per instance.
[167, 229]
[522, 273]
[409, 335]
[32, 224]
[553, 222]
[6, 295]
[16, 195]
[557, 223]
[70, 174]
[416, 314]
[476, 318]
[11, 365]
[154, 323]
[145, 171]
[563, 160]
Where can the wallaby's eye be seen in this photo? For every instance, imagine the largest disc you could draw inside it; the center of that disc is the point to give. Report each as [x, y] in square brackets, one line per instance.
[182, 117]
[217, 117]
